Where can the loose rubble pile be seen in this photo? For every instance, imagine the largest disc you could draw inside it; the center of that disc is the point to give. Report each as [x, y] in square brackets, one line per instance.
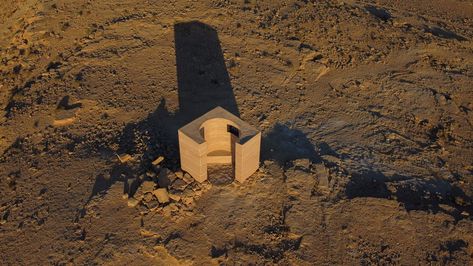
[161, 190]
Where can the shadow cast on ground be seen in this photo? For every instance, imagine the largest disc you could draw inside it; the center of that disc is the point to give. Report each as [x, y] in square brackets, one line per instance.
[203, 84]
[413, 193]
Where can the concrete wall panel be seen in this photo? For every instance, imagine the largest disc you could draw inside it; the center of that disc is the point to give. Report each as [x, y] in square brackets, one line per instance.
[208, 140]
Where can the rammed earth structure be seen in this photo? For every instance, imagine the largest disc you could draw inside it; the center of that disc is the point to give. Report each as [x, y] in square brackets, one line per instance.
[219, 137]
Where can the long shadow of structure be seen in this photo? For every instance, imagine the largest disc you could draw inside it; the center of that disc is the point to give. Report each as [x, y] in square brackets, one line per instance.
[202, 80]
[203, 84]
[202, 77]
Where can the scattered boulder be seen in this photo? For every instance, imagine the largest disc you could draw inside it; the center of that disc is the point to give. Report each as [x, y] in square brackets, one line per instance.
[147, 233]
[152, 204]
[148, 197]
[162, 195]
[143, 208]
[198, 193]
[148, 186]
[123, 158]
[150, 174]
[188, 201]
[179, 174]
[132, 202]
[188, 178]
[172, 176]
[175, 197]
[64, 122]
[179, 185]
[157, 161]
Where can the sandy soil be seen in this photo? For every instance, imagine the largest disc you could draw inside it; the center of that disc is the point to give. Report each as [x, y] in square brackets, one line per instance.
[365, 108]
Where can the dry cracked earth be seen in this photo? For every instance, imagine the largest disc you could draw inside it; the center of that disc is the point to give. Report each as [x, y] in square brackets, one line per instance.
[365, 108]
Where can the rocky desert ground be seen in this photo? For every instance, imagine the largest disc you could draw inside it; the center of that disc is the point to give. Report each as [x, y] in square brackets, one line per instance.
[365, 109]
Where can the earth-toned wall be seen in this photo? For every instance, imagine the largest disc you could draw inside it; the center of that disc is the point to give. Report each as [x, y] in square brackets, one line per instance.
[209, 140]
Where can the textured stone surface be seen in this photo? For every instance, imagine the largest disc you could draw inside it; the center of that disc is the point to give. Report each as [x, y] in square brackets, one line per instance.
[162, 195]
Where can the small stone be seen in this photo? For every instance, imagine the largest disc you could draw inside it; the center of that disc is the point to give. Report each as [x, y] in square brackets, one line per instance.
[194, 187]
[138, 195]
[132, 202]
[179, 174]
[123, 158]
[174, 207]
[162, 195]
[179, 184]
[143, 209]
[148, 186]
[65, 122]
[147, 233]
[198, 193]
[188, 178]
[152, 204]
[145, 187]
[150, 174]
[188, 201]
[172, 176]
[175, 197]
[157, 161]
[148, 197]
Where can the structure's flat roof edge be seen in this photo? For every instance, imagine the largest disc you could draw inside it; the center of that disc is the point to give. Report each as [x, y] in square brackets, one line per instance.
[192, 129]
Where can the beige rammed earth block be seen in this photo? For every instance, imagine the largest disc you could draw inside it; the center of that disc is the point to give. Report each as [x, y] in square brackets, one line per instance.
[219, 137]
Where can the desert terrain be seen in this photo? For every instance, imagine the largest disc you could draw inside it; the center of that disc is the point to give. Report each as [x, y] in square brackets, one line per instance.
[365, 109]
